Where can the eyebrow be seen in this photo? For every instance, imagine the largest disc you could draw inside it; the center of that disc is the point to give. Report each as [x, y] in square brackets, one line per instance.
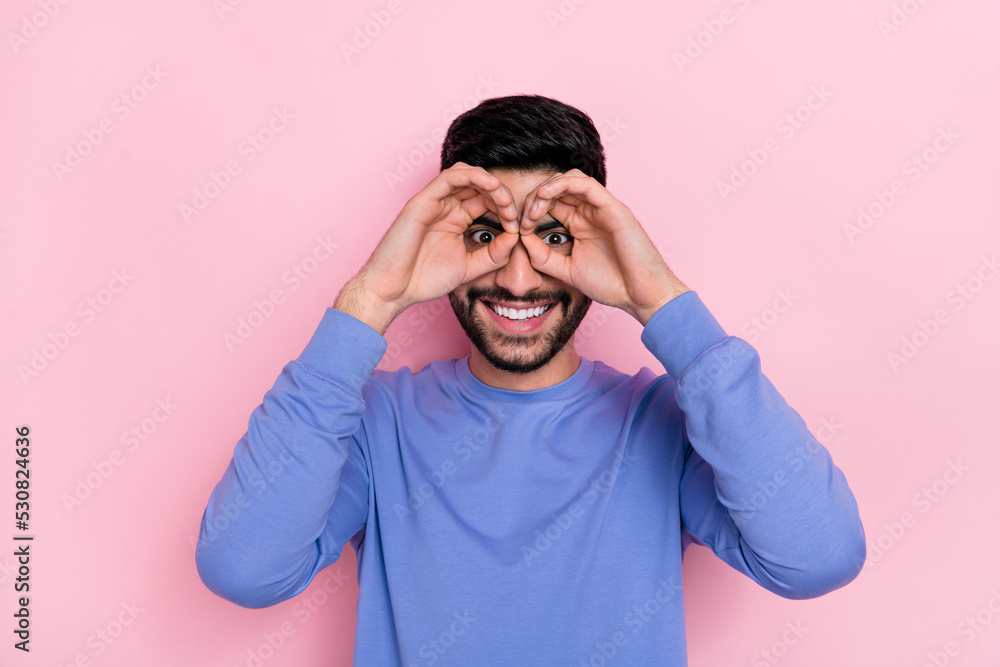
[489, 220]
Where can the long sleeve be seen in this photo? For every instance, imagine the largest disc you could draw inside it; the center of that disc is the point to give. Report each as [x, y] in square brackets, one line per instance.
[757, 488]
[296, 489]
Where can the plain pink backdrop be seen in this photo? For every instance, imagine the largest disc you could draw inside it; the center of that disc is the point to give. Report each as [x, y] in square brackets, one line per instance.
[116, 115]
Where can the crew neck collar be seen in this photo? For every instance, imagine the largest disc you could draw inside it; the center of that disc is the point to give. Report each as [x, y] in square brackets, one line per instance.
[571, 385]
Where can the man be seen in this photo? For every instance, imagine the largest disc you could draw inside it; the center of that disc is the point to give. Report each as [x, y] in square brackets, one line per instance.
[523, 505]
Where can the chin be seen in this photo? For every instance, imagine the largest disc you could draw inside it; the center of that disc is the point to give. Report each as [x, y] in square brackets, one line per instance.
[516, 352]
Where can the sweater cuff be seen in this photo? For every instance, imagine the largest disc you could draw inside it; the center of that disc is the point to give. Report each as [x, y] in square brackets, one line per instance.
[681, 330]
[344, 348]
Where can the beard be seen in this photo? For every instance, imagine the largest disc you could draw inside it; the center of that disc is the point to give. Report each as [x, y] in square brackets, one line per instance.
[520, 353]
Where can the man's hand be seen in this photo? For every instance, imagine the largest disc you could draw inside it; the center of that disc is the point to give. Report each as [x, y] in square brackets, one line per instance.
[423, 255]
[612, 260]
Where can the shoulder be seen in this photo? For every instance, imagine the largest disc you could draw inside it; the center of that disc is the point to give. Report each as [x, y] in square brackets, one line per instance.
[435, 377]
[642, 386]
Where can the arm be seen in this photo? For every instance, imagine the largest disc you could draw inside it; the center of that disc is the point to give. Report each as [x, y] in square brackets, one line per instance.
[758, 488]
[297, 486]
[296, 489]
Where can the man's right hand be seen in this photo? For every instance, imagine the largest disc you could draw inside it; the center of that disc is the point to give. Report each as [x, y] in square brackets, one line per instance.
[423, 255]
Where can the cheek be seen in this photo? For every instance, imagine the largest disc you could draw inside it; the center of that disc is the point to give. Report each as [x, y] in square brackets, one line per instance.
[459, 301]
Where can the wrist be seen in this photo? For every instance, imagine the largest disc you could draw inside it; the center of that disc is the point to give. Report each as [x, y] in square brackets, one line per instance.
[643, 314]
[365, 306]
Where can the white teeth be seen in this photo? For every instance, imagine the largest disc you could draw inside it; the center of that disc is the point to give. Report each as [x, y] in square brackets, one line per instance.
[518, 314]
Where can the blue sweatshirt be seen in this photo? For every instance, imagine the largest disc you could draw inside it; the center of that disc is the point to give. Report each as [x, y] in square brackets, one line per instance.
[546, 527]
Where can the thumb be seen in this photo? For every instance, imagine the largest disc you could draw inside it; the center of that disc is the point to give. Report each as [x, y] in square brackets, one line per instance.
[494, 256]
[544, 259]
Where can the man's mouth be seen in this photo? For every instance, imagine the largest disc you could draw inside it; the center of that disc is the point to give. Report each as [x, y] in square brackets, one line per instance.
[517, 313]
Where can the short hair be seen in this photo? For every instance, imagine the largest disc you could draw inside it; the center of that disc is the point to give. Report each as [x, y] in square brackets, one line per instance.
[525, 133]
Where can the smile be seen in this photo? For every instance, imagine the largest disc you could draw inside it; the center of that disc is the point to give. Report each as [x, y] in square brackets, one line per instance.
[517, 314]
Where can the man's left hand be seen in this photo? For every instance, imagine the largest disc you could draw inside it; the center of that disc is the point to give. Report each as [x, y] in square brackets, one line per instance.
[612, 260]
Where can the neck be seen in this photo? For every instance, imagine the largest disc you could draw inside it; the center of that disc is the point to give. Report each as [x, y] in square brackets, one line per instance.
[559, 368]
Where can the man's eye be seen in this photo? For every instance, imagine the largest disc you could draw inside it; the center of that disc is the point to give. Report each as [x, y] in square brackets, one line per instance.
[482, 236]
[557, 238]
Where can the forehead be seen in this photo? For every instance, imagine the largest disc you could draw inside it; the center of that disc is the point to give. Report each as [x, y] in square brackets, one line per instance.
[520, 183]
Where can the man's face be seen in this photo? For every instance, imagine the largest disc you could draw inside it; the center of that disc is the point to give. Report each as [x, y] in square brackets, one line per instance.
[519, 342]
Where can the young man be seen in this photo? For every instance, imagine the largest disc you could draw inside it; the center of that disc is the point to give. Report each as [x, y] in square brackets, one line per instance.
[523, 505]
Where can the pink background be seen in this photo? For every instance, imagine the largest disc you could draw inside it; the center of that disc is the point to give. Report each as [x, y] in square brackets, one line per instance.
[116, 556]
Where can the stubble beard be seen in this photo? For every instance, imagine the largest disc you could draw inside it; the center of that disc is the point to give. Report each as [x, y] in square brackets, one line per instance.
[518, 353]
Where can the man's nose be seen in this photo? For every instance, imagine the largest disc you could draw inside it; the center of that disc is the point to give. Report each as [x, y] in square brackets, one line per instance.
[519, 277]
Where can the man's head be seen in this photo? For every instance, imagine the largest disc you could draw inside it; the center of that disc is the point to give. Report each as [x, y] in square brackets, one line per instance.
[522, 140]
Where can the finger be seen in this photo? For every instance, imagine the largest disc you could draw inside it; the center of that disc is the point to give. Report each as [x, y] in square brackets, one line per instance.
[462, 194]
[544, 259]
[529, 200]
[533, 196]
[504, 206]
[570, 188]
[490, 258]
[572, 200]
[584, 187]
[568, 214]
[563, 209]
[499, 200]
[457, 179]
[501, 247]
[480, 203]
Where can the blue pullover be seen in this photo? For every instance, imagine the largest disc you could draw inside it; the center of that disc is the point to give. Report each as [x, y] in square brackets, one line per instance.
[546, 527]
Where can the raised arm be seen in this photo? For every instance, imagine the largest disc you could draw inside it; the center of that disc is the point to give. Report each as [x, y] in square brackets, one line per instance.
[758, 488]
[296, 489]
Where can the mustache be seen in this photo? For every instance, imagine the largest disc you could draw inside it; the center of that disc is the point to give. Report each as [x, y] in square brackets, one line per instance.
[497, 293]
